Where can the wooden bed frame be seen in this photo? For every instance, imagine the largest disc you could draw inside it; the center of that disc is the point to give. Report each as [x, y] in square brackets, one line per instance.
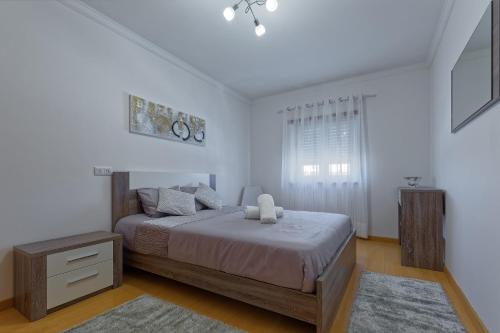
[317, 308]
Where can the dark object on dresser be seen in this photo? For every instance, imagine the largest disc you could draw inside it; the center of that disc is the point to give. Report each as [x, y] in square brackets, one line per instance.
[51, 274]
[421, 212]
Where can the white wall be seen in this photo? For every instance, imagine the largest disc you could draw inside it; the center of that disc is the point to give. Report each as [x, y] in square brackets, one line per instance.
[64, 81]
[398, 136]
[466, 165]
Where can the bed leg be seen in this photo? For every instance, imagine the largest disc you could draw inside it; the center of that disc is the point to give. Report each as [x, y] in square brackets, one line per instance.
[331, 285]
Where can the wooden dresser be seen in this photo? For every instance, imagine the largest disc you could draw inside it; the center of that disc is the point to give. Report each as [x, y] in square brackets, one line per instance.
[51, 274]
[421, 215]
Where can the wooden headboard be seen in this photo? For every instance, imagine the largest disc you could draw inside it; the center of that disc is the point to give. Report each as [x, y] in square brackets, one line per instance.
[124, 200]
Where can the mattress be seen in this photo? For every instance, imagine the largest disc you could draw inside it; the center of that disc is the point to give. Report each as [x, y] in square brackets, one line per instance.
[291, 253]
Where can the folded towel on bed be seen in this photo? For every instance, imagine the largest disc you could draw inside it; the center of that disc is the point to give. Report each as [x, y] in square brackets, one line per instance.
[253, 212]
[267, 209]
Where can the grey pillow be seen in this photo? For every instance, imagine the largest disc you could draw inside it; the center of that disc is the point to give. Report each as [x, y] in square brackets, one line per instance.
[207, 196]
[149, 201]
[192, 190]
[175, 202]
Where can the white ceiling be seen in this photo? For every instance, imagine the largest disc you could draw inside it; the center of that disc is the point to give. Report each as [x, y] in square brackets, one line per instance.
[307, 42]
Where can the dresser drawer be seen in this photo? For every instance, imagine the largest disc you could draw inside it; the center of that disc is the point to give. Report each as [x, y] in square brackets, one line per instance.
[63, 262]
[81, 282]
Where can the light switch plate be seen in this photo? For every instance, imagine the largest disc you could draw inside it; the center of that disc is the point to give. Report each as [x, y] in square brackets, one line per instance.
[103, 171]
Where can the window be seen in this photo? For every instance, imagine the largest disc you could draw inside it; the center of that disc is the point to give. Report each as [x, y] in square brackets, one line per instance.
[334, 169]
[311, 170]
[329, 142]
[339, 169]
[323, 165]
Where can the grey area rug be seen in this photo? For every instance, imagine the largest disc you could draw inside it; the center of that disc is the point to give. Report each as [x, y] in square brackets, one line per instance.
[147, 314]
[393, 304]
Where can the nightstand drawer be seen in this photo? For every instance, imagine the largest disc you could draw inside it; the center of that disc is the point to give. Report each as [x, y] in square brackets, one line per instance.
[78, 283]
[67, 261]
[53, 273]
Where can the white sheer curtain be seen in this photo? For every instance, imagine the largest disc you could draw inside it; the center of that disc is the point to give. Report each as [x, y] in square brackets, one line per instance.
[324, 159]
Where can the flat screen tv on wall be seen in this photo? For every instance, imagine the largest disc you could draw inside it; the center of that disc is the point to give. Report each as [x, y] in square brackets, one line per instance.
[476, 75]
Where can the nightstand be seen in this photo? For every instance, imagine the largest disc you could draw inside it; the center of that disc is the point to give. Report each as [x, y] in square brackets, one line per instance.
[52, 274]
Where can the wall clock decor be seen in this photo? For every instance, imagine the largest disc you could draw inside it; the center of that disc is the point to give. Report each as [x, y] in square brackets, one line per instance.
[152, 119]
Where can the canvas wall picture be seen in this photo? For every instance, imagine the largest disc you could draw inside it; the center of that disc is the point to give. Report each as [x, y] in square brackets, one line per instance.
[153, 119]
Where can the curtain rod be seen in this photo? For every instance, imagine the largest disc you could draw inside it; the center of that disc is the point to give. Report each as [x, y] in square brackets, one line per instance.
[330, 101]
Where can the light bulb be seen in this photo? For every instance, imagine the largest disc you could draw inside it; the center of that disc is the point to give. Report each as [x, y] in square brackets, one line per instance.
[229, 13]
[271, 5]
[260, 30]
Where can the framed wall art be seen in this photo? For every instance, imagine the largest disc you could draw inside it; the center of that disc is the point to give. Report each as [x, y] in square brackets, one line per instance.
[153, 119]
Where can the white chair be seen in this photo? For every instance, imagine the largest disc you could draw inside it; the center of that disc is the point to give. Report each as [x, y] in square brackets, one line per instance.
[250, 194]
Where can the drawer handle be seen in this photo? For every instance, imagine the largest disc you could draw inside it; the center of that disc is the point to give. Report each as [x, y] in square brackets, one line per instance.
[82, 256]
[83, 277]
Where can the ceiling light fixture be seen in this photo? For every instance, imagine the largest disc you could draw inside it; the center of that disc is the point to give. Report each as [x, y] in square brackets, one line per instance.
[259, 29]
[229, 13]
[271, 5]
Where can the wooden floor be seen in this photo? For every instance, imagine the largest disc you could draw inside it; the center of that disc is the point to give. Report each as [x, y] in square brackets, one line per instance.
[376, 256]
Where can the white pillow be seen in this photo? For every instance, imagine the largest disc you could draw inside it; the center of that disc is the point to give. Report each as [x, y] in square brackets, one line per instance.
[267, 209]
[175, 202]
[207, 196]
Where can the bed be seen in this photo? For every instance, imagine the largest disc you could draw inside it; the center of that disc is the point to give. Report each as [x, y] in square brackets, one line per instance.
[297, 268]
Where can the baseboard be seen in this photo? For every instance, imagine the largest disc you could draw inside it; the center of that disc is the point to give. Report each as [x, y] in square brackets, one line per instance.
[468, 307]
[383, 239]
[5, 304]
